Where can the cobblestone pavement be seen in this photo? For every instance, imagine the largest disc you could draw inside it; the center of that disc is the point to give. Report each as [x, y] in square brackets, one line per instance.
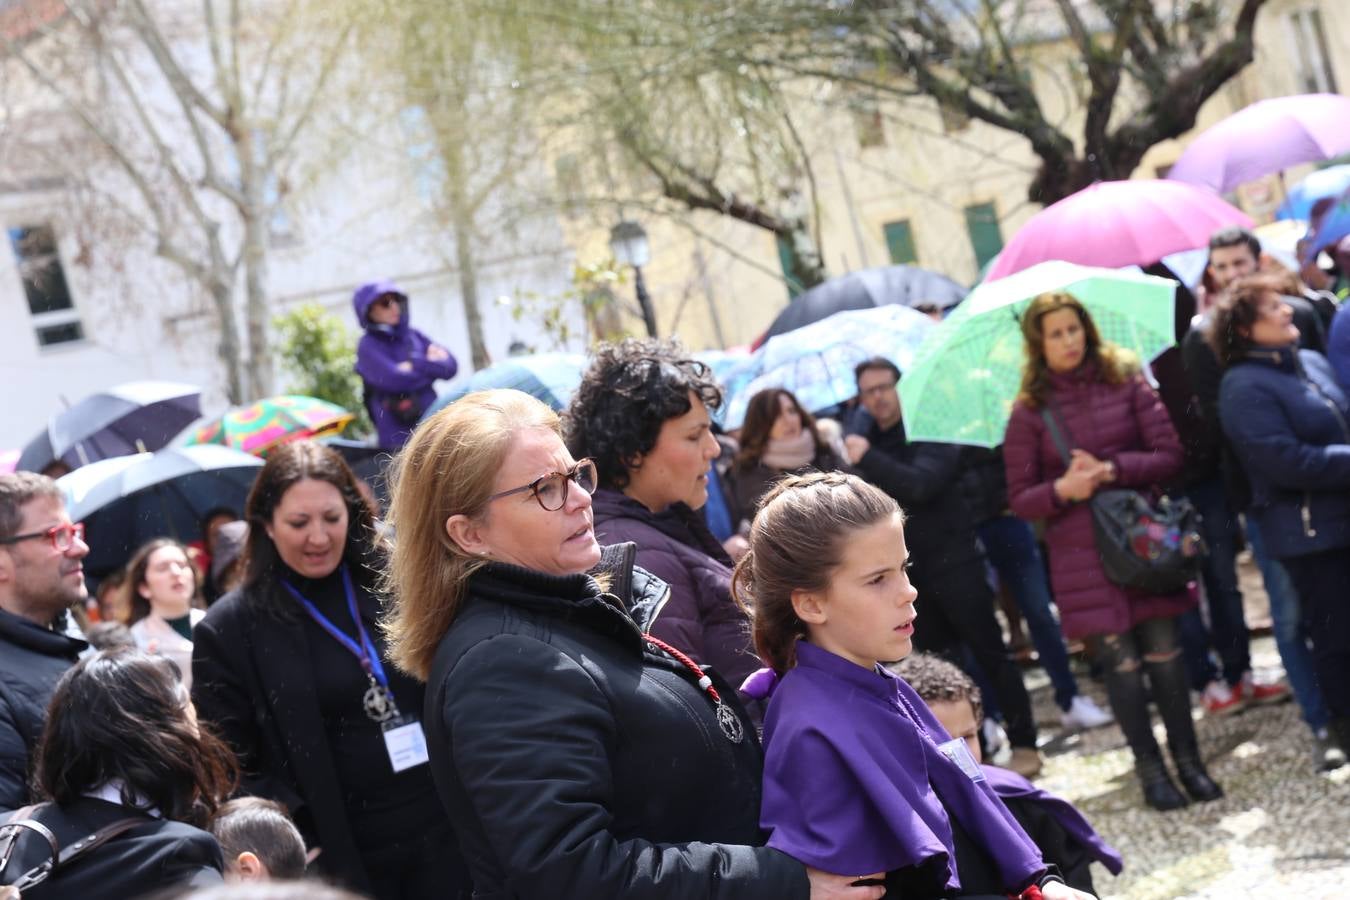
[1283, 830]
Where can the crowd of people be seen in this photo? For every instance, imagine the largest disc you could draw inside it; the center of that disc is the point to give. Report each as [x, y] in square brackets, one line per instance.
[543, 670]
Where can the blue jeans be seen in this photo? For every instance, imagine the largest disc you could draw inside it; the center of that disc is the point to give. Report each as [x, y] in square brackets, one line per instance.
[1227, 631]
[1291, 636]
[1011, 547]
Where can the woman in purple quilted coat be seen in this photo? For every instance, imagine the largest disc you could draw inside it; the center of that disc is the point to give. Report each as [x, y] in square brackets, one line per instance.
[1120, 435]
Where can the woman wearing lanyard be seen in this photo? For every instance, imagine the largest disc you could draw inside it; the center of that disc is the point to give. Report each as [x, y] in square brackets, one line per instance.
[291, 669]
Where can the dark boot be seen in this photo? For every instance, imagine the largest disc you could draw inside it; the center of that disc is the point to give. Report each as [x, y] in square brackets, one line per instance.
[1171, 694]
[1193, 777]
[1340, 732]
[1160, 792]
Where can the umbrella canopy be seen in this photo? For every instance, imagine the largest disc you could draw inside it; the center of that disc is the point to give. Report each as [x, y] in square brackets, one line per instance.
[1331, 228]
[260, 426]
[9, 459]
[1268, 136]
[550, 377]
[130, 418]
[816, 362]
[866, 288]
[1118, 223]
[965, 378]
[128, 500]
[1330, 182]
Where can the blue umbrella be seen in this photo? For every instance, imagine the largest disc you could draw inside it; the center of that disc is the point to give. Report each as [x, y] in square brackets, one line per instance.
[128, 500]
[129, 418]
[1329, 182]
[1334, 225]
[816, 362]
[867, 288]
[550, 377]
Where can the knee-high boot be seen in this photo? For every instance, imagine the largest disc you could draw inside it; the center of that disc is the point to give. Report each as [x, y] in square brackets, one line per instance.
[1171, 693]
[1129, 702]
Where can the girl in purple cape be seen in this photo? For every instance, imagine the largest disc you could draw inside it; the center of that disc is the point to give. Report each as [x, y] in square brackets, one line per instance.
[859, 777]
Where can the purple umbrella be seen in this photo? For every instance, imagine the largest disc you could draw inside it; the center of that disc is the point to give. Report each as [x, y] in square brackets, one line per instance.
[1118, 223]
[1268, 136]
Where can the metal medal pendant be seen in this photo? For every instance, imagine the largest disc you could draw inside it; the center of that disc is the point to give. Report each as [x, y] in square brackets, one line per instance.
[379, 703]
[730, 723]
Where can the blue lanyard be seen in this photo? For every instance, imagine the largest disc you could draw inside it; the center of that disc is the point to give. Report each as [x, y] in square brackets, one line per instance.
[364, 651]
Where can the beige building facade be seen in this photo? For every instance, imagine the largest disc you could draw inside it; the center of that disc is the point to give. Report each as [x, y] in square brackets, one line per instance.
[942, 194]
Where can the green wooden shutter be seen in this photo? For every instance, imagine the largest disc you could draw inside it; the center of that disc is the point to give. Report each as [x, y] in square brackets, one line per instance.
[900, 242]
[985, 237]
[786, 258]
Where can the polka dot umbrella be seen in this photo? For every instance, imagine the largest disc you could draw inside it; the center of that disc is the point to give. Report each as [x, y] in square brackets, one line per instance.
[258, 427]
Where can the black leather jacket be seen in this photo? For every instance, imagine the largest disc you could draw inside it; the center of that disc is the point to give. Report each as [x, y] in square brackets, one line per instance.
[576, 761]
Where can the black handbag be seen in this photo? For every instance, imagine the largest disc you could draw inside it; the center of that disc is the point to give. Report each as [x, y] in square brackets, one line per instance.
[1153, 547]
[59, 857]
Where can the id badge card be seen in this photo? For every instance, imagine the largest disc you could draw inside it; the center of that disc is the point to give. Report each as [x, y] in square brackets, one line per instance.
[959, 752]
[405, 743]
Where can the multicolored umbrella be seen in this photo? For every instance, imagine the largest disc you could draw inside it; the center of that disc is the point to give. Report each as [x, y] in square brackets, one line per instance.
[550, 377]
[1118, 223]
[258, 427]
[961, 387]
[1268, 136]
[816, 361]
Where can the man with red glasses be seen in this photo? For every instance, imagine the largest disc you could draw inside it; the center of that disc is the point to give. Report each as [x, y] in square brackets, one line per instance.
[41, 577]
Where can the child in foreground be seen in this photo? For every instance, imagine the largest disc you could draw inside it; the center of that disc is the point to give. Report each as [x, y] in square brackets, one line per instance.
[259, 841]
[859, 777]
[1065, 837]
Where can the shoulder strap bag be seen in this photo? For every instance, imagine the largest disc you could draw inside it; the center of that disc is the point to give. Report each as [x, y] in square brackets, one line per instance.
[22, 821]
[1153, 547]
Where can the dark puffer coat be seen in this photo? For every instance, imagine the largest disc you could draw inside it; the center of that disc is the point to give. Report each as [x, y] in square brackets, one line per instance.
[1125, 424]
[577, 761]
[676, 546]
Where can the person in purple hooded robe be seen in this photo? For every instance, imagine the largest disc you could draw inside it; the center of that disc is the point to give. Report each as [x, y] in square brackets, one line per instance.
[1065, 837]
[397, 363]
[859, 777]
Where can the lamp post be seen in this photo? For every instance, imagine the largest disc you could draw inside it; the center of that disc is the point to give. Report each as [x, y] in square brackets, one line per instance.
[628, 243]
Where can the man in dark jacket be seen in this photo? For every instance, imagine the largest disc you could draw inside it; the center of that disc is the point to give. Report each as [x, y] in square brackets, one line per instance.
[955, 603]
[41, 577]
[1221, 494]
[397, 363]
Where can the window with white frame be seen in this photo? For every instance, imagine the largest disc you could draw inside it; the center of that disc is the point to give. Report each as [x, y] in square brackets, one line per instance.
[55, 319]
[1312, 58]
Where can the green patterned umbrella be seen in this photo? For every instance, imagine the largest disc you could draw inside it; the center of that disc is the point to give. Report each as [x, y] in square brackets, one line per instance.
[965, 377]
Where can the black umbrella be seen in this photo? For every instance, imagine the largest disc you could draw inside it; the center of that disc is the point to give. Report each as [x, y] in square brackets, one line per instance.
[129, 418]
[128, 500]
[906, 285]
[368, 461]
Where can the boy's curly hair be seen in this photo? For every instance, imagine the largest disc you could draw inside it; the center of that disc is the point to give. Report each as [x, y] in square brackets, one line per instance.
[629, 390]
[935, 679]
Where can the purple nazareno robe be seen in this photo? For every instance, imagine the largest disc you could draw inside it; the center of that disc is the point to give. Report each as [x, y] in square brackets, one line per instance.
[854, 782]
[1011, 786]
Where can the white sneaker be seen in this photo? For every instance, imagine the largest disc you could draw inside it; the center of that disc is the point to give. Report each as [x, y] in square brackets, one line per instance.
[1083, 714]
[995, 742]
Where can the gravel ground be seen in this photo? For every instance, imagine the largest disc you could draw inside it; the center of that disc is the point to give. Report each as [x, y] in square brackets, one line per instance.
[1283, 830]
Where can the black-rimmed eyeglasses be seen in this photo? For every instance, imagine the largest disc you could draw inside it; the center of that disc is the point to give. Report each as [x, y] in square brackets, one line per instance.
[63, 537]
[551, 489]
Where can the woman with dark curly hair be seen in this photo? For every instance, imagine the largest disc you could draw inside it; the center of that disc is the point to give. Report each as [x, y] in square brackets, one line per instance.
[778, 438]
[642, 413]
[1289, 423]
[121, 744]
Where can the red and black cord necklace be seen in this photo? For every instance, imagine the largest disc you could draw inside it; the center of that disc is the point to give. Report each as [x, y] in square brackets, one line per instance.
[727, 720]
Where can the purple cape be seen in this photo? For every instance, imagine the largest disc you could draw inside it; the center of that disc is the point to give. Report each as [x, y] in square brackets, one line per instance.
[1013, 786]
[852, 785]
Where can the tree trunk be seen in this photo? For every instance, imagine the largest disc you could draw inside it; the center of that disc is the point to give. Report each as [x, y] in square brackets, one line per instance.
[254, 251]
[462, 224]
[222, 298]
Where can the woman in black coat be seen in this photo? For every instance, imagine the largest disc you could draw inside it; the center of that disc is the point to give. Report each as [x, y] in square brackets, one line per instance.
[292, 670]
[576, 755]
[121, 744]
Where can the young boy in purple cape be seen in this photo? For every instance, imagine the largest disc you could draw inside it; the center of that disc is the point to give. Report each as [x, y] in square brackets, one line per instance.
[397, 363]
[1065, 837]
[859, 777]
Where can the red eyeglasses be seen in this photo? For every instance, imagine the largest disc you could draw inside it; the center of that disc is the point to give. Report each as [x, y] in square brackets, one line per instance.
[63, 537]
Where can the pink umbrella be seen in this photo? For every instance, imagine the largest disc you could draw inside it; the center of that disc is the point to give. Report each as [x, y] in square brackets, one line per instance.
[1118, 223]
[1268, 136]
[8, 460]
